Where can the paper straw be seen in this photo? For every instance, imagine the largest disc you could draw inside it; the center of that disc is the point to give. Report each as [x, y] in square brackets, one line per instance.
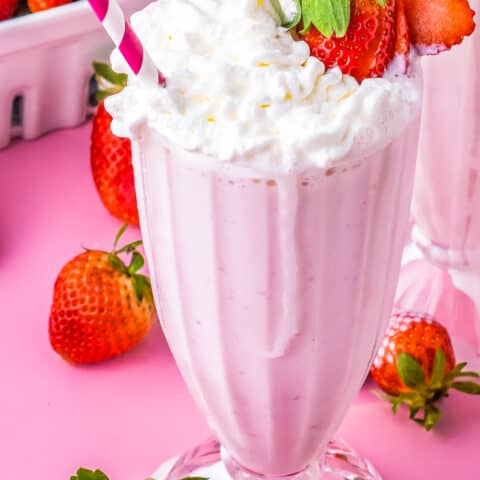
[129, 45]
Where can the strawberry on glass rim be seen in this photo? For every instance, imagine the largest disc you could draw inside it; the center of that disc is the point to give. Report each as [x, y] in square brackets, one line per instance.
[363, 37]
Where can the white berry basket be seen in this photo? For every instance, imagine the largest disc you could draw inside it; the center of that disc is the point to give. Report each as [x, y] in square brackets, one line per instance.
[45, 68]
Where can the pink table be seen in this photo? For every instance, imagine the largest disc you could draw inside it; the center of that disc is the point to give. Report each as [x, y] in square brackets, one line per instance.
[128, 415]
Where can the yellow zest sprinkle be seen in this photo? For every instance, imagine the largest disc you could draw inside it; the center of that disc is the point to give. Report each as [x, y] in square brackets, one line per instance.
[288, 96]
[264, 105]
[263, 64]
[211, 119]
[170, 37]
[259, 3]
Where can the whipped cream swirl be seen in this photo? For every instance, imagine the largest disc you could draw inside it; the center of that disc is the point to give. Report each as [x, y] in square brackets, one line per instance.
[242, 89]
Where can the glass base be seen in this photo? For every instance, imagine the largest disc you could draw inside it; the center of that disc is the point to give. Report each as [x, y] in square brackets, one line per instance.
[210, 461]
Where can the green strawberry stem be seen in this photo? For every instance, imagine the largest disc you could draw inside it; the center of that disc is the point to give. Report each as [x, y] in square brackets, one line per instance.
[85, 474]
[425, 393]
[141, 283]
[109, 82]
[329, 17]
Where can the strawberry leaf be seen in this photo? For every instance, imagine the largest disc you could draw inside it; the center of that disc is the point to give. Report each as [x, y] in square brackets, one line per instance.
[136, 263]
[195, 478]
[432, 415]
[141, 286]
[438, 367]
[327, 16]
[85, 474]
[409, 370]
[131, 247]
[468, 374]
[116, 263]
[467, 387]
[455, 372]
[119, 235]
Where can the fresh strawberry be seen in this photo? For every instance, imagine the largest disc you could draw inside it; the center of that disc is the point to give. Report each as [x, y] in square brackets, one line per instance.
[111, 156]
[370, 41]
[7, 9]
[416, 366]
[40, 5]
[101, 307]
[437, 25]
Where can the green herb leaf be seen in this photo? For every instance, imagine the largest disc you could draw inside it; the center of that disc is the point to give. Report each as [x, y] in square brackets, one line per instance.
[85, 474]
[104, 72]
[136, 263]
[438, 367]
[328, 16]
[409, 370]
[467, 387]
[382, 3]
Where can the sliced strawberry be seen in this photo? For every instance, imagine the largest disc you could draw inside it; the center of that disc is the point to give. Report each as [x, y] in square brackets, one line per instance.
[437, 25]
[402, 46]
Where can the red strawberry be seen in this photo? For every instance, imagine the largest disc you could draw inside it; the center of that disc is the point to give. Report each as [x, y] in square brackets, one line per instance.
[101, 307]
[7, 8]
[416, 366]
[40, 5]
[369, 43]
[111, 156]
[437, 25]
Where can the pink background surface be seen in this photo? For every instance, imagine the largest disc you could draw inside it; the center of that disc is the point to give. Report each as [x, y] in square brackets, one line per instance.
[128, 415]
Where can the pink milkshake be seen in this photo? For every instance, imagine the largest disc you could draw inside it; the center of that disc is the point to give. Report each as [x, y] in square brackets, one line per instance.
[274, 199]
[274, 324]
[446, 201]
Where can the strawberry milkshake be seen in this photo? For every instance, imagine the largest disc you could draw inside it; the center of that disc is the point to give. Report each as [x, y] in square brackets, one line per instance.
[274, 177]
[446, 198]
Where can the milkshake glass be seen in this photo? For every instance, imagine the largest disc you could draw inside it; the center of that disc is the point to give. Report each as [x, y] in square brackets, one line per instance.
[446, 199]
[273, 293]
[274, 201]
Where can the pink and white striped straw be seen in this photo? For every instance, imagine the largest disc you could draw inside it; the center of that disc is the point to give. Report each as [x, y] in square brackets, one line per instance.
[122, 34]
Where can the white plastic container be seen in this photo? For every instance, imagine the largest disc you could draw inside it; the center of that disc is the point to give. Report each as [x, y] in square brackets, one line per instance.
[45, 67]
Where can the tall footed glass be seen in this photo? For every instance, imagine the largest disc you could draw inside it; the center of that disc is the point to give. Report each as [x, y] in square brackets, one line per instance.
[446, 197]
[274, 292]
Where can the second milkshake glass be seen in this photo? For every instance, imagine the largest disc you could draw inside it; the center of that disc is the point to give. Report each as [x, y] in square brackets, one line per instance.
[446, 200]
[274, 292]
